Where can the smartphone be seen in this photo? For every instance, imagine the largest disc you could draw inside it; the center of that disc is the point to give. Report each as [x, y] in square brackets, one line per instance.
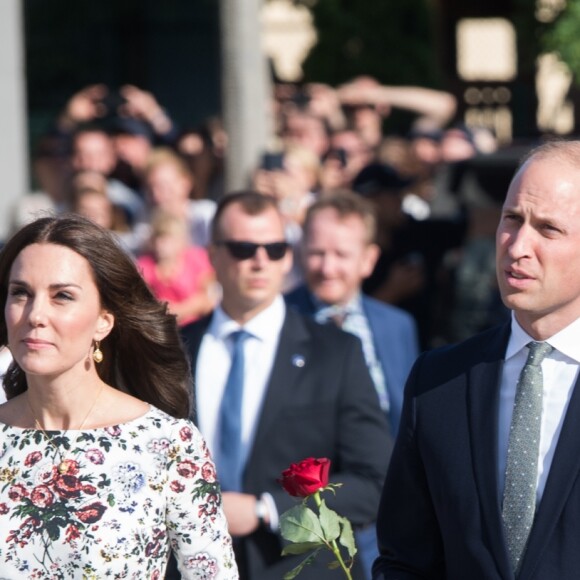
[413, 259]
[272, 161]
[339, 154]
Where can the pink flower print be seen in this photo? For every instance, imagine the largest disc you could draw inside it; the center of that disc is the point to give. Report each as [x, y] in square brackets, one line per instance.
[17, 492]
[46, 474]
[91, 513]
[95, 456]
[176, 486]
[69, 467]
[41, 496]
[186, 434]
[187, 468]
[204, 565]
[154, 548]
[67, 486]
[72, 533]
[113, 431]
[208, 472]
[32, 458]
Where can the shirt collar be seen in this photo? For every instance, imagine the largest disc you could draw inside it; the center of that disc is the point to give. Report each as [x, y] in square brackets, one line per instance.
[354, 305]
[566, 341]
[265, 326]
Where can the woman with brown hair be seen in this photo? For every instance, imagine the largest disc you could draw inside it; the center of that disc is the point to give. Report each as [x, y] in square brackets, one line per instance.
[102, 474]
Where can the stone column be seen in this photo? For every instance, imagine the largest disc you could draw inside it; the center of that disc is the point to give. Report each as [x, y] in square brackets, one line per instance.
[245, 89]
[13, 125]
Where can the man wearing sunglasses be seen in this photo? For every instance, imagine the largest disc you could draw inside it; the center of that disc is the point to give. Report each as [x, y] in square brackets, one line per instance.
[305, 392]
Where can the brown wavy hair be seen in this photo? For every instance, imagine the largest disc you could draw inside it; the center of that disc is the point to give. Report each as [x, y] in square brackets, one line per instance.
[143, 354]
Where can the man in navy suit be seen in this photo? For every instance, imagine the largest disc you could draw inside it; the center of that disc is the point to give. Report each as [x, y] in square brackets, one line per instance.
[468, 446]
[306, 392]
[338, 253]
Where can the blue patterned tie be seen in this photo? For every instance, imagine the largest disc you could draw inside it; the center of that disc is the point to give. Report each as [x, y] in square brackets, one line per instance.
[519, 498]
[229, 461]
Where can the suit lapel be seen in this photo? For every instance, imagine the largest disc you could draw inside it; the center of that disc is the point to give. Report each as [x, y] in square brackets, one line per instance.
[292, 357]
[563, 474]
[192, 335]
[483, 400]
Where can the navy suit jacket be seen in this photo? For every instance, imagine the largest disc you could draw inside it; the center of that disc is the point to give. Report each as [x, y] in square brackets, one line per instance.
[326, 407]
[395, 340]
[440, 514]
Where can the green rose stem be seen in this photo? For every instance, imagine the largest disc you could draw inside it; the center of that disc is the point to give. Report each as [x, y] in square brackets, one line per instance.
[333, 545]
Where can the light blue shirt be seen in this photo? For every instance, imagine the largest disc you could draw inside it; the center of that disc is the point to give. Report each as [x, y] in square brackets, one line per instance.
[355, 322]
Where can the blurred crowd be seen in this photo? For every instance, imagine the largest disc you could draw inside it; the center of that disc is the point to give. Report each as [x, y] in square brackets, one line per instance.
[119, 158]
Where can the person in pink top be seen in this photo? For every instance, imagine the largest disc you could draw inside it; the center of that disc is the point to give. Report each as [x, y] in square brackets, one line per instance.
[178, 272]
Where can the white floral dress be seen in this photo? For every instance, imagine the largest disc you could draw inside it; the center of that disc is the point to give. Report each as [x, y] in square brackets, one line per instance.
[112, 504]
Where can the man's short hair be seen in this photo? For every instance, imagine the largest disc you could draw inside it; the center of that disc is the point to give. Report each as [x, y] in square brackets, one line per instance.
[345, 203]
[566, 150]
[251, 202]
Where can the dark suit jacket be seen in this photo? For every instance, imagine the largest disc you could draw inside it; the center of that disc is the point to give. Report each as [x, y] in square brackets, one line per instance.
[326, 408]
[395, 340]
[440, 514]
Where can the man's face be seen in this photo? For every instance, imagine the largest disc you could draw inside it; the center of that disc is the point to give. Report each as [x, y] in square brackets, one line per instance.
[538, 241]
[93, 152]
[307, 131]
[249, 286]
[133, 149]
[337, 256]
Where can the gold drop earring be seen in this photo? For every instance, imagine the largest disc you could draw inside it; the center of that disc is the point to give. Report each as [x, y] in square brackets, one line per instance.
[98, 353]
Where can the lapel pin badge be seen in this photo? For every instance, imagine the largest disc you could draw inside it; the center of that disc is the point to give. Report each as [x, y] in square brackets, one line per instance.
[298, 361]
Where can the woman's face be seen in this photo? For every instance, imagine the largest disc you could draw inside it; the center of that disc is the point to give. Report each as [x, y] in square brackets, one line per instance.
[167, 187]
[96, 208]
[53, 312]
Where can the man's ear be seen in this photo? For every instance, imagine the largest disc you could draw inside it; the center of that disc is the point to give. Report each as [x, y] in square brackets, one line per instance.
[370, 257]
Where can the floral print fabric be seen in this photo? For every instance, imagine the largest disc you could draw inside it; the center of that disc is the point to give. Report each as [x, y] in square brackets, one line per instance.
[112, 503]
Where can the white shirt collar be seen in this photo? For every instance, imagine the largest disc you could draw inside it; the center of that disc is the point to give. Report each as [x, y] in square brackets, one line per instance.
[265, 326]
[567, 341]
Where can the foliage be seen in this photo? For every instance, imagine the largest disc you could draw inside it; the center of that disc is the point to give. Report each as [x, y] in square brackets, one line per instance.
[562, 37]
[390, 40]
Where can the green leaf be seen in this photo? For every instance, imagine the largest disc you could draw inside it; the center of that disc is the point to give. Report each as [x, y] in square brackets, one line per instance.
[330, 522]
[300, 524]
[301, 548]
[306, 562]
[347, 537]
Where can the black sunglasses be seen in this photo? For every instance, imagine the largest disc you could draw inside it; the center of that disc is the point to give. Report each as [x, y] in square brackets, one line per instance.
[246, 250]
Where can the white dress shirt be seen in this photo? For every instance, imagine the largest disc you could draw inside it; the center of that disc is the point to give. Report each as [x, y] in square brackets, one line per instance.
[214, 362]
[560, 371]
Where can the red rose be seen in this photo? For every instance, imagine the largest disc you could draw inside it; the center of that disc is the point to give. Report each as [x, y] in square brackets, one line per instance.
[91, 513]
[304, 478]
[3, 509]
